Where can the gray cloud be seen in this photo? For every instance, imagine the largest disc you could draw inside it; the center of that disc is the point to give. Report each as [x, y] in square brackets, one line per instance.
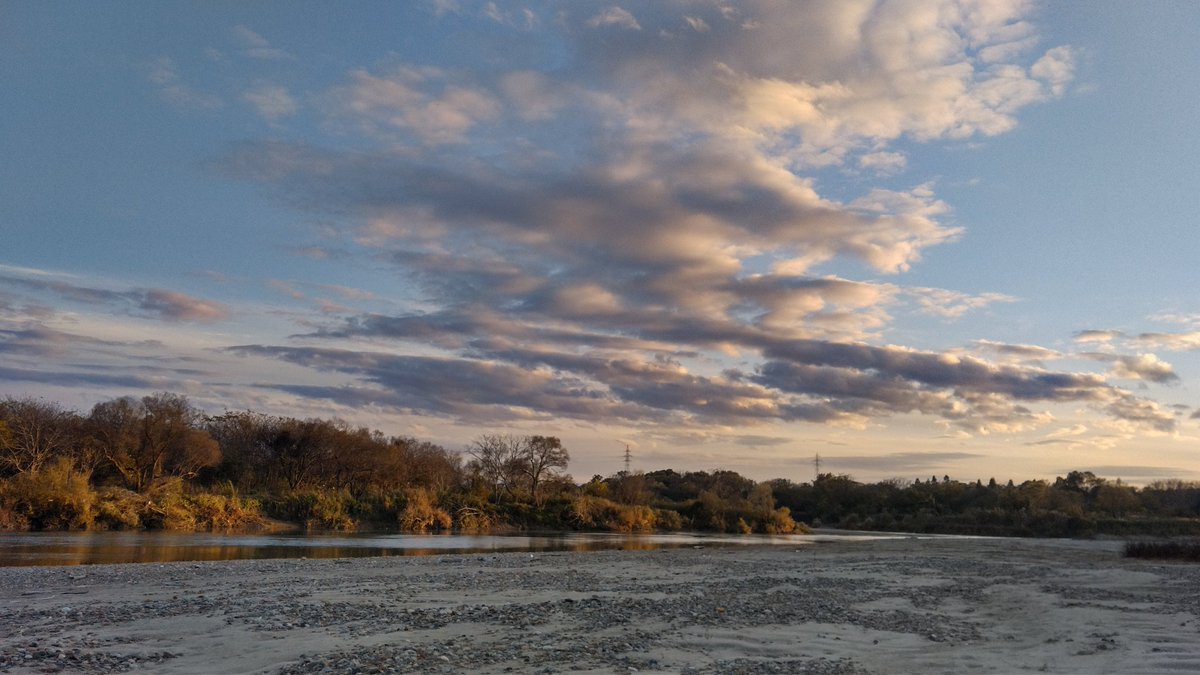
[1142, 412]
[471, 389]
[149, 302]
[1098, 336]
[1032, 354]
[1136, 367]
[932, 369]
[178, 307]
[80, 379]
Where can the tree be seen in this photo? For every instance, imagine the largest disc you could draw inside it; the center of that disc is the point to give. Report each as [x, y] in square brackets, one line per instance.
[33, 431]
[512, 464]
[543, 456]
[498, 460]
[158, 435]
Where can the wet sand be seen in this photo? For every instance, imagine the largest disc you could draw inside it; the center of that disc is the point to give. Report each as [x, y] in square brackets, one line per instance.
[892, 606]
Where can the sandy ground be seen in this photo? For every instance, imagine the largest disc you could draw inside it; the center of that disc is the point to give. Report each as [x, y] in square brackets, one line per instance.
[898, 606]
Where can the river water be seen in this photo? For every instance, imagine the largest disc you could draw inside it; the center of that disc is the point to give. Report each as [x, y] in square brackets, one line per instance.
[89, 548]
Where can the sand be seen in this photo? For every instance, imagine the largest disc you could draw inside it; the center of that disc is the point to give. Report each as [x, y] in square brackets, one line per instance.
[941, 605]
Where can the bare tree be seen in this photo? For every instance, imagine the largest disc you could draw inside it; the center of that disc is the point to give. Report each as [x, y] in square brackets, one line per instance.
[511, 464]
[498, 459]
[543, 456]
[33, 431]
[158, 435]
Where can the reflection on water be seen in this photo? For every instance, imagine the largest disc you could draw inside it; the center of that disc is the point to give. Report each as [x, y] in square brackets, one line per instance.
[89, 548]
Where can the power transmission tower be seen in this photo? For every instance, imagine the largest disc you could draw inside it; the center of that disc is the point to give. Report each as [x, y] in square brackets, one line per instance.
[817, 465]
[628, 459]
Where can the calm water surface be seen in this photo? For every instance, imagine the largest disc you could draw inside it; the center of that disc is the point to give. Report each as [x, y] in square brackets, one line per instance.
[89, 548]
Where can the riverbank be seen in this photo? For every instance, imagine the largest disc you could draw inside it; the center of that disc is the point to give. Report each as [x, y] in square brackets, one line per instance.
[905, 605]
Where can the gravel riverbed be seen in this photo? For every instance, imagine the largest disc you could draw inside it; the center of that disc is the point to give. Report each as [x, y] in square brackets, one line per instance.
[906, 605]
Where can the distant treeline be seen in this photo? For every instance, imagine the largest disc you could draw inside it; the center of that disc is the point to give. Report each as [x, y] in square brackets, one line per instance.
[1079, 504]
[159, 463]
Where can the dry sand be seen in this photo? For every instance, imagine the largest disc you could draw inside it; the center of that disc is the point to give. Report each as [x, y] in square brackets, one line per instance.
[897, 606]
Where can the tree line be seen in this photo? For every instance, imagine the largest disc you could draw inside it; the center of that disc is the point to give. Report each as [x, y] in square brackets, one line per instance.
[158, 462]
[1078, 504]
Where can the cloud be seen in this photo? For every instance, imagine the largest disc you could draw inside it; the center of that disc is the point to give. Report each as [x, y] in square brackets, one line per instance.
[441, 7]
[1055, 69]
[1032, 354]
[1098, 336]
[256, 46]
[271, 101]
[870, 74]
[525, 19]
[150, 302]
[1143, 413]
[953, 304]
[472, 390]
[165, 75]
[80, 379]
[42, 352]
[179, 307]
[421, 102]
[1136, 367]
[895, 462]
[883, 163]
[1176, 342]
[38, 340]
[614, 16]
[636, 233]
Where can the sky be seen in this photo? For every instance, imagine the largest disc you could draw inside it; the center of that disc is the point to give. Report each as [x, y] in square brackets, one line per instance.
[914, 238]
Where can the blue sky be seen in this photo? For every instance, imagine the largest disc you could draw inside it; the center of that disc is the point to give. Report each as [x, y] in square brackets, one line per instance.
[916, 238]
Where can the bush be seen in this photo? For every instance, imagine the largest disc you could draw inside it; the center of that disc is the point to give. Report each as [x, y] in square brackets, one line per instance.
[476, 519]
[780, 522]
[420, 514]
[666, 519]
[11, 521]
[166, 508]
[55, 497]
[591, 512]
[225, 512]
[119, 509]
[315, 509]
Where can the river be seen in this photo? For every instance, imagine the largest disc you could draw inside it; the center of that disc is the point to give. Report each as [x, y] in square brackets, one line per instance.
[89, 548]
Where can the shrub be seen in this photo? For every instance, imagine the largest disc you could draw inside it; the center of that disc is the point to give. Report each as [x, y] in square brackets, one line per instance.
[11, 521]
[666, 519]
[315, 509]
[225, 512]
[591, 512]
[780, 522]
[119, 509]
[420, 514]
[633, 519]
[166, 508]
[476, 519]
[55, 497]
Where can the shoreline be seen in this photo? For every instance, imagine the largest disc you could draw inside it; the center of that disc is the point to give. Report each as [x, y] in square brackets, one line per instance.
[890, 605]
